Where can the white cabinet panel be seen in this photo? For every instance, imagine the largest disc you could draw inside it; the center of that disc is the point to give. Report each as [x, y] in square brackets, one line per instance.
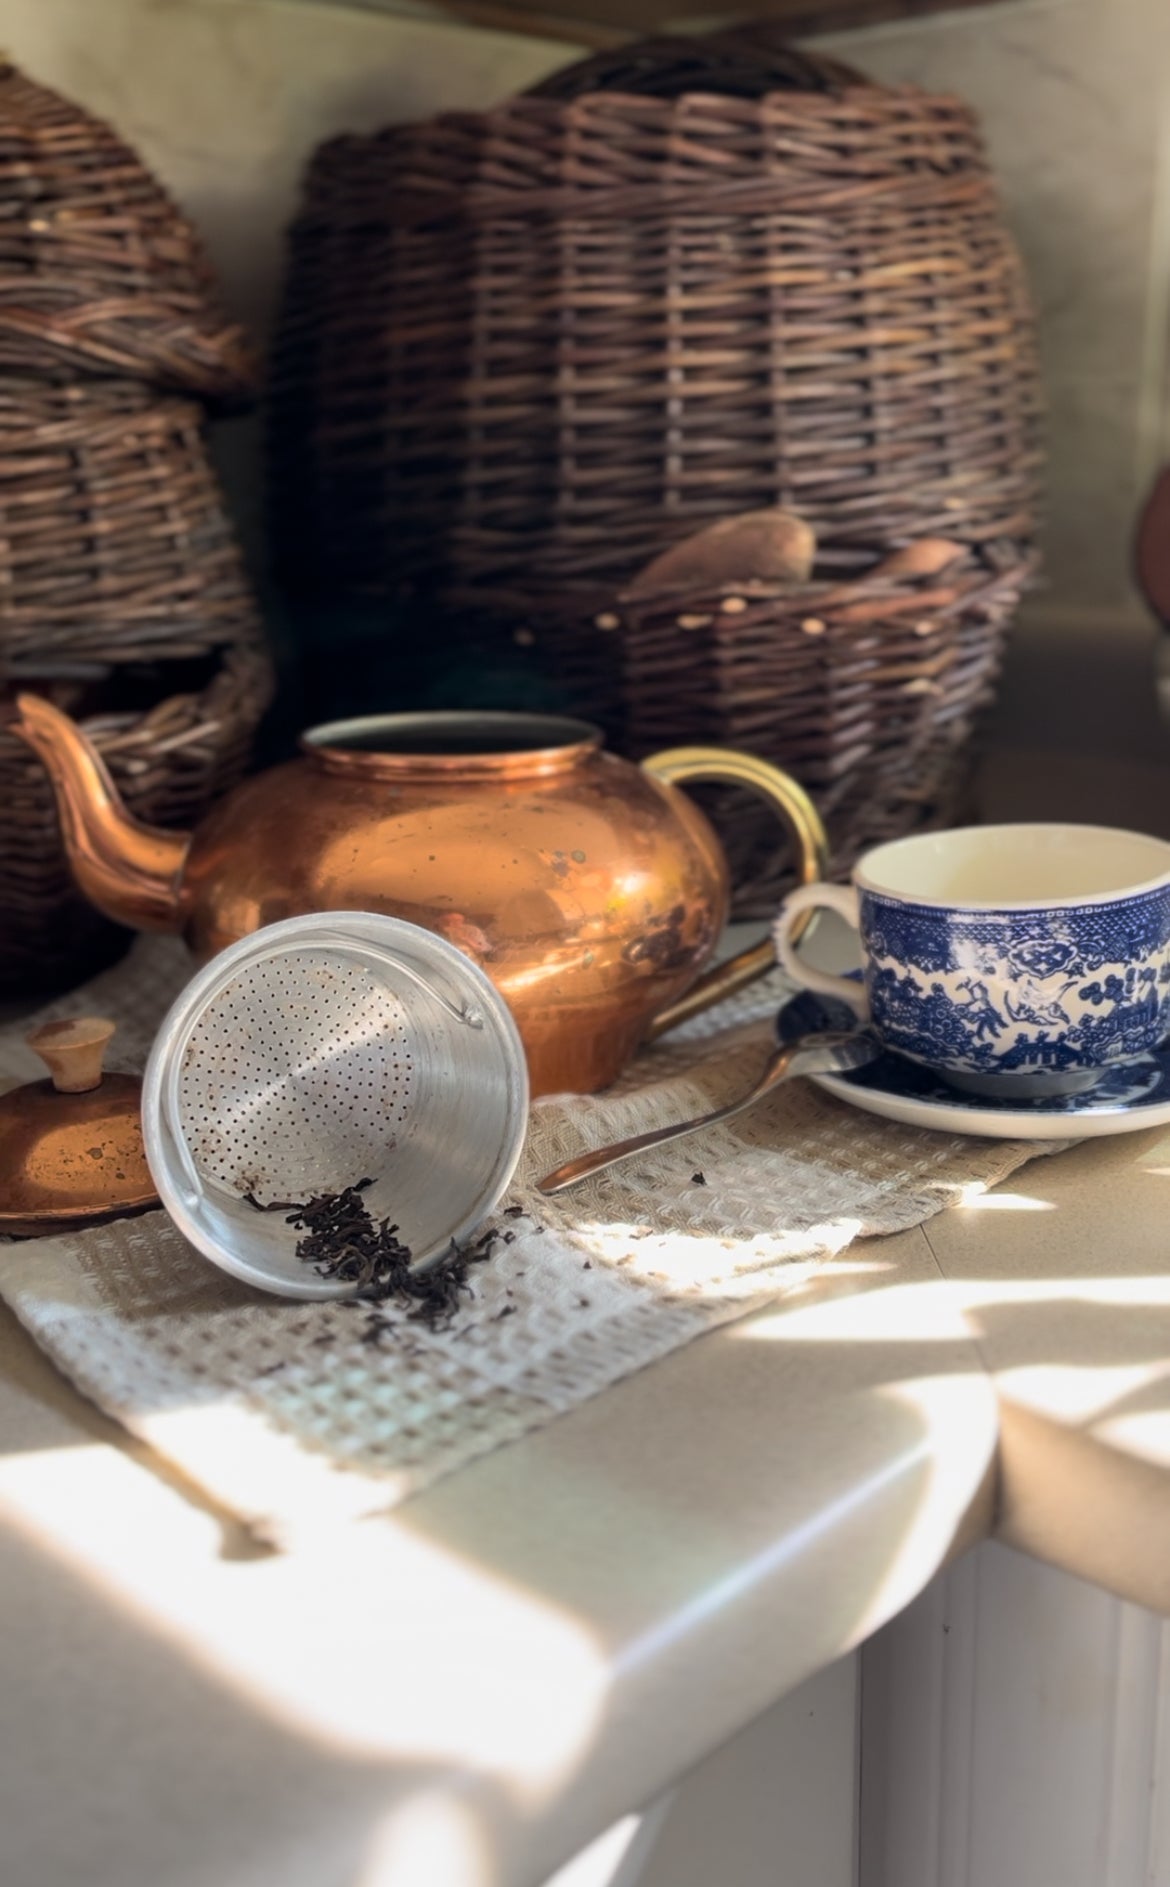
[775, 1807]
[1014, 1734]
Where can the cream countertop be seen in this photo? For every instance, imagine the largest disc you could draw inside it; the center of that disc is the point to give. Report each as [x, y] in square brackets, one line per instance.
[1065, 1287]
[581, 1616]
[469, 1692]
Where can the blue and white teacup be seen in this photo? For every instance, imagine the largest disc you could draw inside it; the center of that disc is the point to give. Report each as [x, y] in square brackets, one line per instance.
[1020, 960]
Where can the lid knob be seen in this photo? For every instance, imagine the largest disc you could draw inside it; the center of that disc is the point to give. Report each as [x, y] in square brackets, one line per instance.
[73, 1051]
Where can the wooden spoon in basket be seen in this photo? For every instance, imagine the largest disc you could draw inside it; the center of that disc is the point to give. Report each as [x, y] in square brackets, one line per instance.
[775, 546]
[772, 546]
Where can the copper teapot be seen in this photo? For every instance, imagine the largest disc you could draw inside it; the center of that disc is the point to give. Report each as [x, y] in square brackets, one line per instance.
[590, 890]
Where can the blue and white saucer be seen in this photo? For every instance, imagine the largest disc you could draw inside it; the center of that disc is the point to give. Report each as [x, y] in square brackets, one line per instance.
[1135, 1096]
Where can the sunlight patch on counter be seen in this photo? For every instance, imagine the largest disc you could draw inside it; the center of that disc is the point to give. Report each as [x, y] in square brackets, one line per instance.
[941, 1310]
[958, 1413]
[901, 1518]
[919, 1313]
[431, 1841]
[1144, 1433]
[231, 1447]
[475, 1673]
[1149, 1288]
[598, 1865]
[1077, 1392]
[715, 1264]
[974, 1198]
[758, 1569]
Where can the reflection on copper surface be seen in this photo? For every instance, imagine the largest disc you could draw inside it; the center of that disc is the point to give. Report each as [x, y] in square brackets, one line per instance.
[590, 890]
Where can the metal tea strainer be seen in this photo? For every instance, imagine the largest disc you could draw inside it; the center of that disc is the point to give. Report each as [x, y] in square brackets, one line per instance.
[318, 1052]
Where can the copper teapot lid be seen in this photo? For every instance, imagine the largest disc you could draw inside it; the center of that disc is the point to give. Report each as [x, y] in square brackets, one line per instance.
[71, 1147]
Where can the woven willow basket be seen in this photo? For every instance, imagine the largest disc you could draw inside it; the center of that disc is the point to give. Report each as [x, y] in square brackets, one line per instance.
[114, 541]
[99, 272]
[170, 764]
[869, 690]
[543, 342]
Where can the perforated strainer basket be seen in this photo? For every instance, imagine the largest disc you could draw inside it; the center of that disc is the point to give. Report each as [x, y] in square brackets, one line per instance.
[321, 1051]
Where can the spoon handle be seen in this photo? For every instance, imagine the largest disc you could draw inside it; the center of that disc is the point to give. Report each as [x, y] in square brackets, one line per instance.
[777, 1069]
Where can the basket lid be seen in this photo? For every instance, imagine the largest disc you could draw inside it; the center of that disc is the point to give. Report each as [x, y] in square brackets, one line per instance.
[99, 270]
[740, 62]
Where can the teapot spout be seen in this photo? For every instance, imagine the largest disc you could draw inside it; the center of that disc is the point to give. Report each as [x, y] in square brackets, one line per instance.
[131, 871]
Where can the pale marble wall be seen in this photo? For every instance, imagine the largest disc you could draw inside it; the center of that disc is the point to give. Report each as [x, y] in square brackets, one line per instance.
[1074, 96]
[226, 98]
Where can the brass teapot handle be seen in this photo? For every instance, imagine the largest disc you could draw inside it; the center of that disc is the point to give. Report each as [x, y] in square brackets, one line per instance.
[803, 822]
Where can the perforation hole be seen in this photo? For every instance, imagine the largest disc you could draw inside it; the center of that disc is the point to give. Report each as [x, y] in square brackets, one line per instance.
[297, 1078]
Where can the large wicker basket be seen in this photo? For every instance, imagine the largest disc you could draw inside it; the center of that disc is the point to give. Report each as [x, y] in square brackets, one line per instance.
[542, 342]
[114, 541]
[99, 272]
[170, 763]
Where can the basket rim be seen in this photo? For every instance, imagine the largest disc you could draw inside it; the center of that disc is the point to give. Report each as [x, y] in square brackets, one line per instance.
[244, 677]
[783, 99]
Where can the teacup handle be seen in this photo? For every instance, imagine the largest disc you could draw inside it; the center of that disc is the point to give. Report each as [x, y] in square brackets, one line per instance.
[796, 811]
[787, 928]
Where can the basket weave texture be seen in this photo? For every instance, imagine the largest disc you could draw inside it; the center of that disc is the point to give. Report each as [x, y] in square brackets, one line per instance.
[115, 542]
[120, 578]
[546, 341]
[100, 274]
[169, 763]
[869, 691]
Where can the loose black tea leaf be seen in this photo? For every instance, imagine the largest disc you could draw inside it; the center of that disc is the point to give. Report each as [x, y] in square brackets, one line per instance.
[274, 1205]
[342, 1241]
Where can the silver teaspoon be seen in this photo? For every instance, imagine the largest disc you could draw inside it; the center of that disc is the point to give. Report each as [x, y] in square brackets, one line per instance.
[832, 1051]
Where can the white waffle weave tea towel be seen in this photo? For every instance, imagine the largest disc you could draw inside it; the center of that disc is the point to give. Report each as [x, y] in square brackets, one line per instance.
[293, 1415]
